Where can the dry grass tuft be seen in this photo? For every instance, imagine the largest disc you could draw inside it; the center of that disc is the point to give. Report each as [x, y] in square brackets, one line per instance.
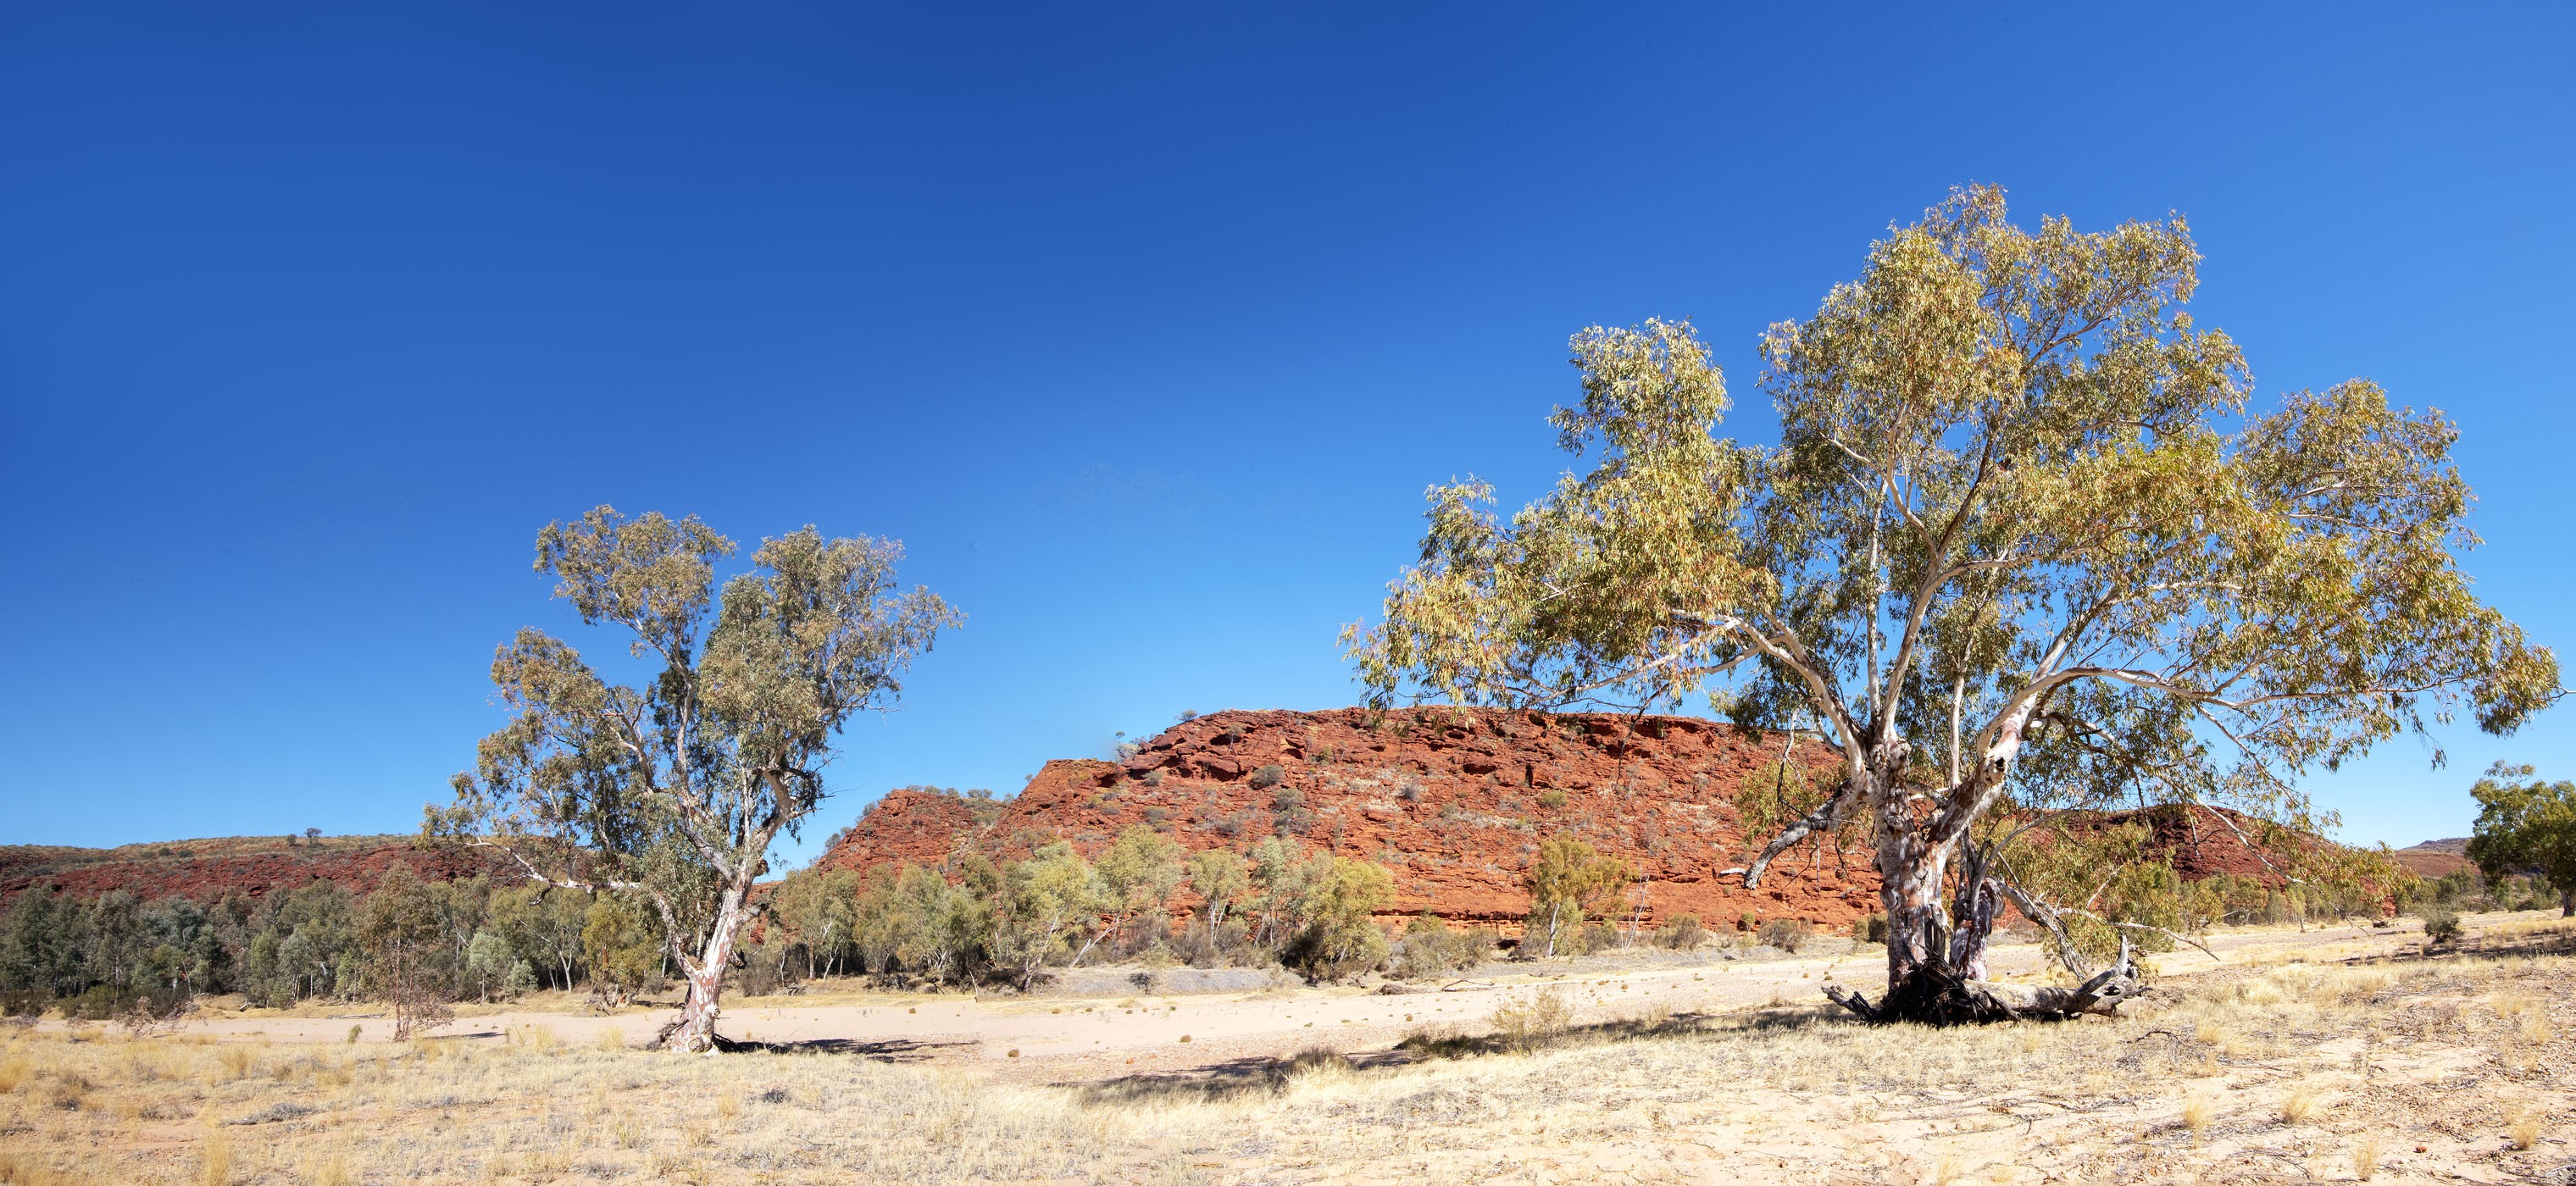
[2299, 1103]
[2521, 1126]
[215, 1161]
[2365, 1156]
[2197, 1112]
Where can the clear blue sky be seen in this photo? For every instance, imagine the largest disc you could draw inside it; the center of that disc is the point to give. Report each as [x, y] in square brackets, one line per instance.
[1143, 328]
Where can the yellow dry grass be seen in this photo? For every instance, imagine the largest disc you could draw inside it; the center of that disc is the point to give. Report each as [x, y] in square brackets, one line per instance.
[2278, 1071]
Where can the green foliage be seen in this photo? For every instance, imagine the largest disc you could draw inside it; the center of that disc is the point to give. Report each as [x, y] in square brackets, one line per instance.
[408, 963]
[2526, 826]
[1567, 881]
[1219, 879]
[814, 910]
[1341, 938]
[1050, 903]
[2004, 452]
[673, 789]
[621, 942]
[2441, 924]
[490, 967]
[1433, 948]
[543, 925]
[1139, 871]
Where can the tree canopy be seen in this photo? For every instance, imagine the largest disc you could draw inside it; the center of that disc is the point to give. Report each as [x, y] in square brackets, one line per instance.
[673, 788]
[2526, 826]
[2024, 533]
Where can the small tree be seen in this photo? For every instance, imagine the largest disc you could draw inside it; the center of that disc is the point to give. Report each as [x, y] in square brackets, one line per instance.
[2022, 536]
[1341, 937]
[1047, 902]
[1285, 875]
[492, 967]
[544, 925]
[2526, 826]
[1565, 883]
[1140, 870]
[406, 964]
[1219, 879]
[812, 909]
[672, 789]
[623, 946]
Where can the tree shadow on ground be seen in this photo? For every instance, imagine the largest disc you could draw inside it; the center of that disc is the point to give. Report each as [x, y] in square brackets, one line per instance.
[1260, 1075]
[2556, 937]
[888, 1050]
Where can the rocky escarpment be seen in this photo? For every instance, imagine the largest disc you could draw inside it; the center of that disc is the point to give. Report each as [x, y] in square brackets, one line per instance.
[1454, 802]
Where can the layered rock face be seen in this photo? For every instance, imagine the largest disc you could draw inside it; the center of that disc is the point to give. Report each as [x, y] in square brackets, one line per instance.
[1454, 802]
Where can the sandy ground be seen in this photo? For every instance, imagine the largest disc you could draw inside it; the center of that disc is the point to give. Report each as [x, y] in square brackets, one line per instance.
[1076, 1039]
[2344, 1054]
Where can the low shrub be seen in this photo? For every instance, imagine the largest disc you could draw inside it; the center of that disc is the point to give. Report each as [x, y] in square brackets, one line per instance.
[1872, 929]
[1432, 948]
[1267, 777]
[2441, 924]
[1787, 934]
[1533, 1019]
[1683, 933]
[25, 1002]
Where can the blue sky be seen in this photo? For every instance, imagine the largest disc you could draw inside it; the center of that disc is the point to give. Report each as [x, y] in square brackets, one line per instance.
[1143, 328]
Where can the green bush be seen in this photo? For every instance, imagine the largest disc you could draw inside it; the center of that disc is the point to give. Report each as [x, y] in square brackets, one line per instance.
[109, 1002]
[1872, 929]
[1432, 948]
[25, 1002]
[1683, 933]
[1267, 777]
[2441, 924]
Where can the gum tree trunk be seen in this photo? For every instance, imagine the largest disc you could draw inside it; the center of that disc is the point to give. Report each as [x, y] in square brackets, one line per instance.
[695, 1031]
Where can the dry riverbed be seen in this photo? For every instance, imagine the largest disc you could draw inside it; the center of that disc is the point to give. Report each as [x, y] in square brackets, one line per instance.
[2337, 1054]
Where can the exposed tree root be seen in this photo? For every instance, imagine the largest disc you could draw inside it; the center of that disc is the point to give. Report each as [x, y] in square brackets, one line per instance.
[1932, 995]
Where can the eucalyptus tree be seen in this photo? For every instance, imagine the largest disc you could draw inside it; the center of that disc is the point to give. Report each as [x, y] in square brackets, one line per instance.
[2023, 514]
[671, 789]
[2526, 826]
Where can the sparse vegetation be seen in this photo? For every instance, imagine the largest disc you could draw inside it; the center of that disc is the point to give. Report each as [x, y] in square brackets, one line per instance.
[1787, 934]
[1765, 1094]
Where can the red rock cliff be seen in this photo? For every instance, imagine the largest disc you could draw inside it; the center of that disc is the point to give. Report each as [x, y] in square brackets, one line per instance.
[1454, 803]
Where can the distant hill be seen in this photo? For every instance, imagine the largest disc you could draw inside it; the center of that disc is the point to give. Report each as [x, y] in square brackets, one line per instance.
[2436, 858]
[209, 868]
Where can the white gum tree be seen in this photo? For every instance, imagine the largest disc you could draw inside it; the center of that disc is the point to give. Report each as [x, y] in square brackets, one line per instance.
[2023, 534]
[672, 790]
